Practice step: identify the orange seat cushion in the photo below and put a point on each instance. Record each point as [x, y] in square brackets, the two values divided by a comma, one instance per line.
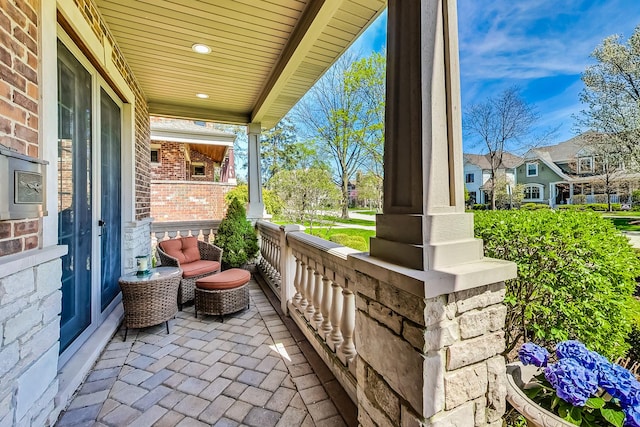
[198, 268]
[228, 279]
[173, 248]
[184, 249]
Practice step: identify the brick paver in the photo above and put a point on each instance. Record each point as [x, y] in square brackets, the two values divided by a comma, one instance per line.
[205, 373]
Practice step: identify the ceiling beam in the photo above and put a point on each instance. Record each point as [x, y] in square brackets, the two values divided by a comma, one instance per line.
[313, 21]
[191, 112]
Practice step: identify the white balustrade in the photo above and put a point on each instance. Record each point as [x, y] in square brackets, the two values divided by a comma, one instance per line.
[321, 299]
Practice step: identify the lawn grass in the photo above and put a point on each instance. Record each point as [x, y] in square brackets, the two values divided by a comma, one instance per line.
[350, 221]
[634, 214]
[623, 224]
[362, 212]
[326, 233]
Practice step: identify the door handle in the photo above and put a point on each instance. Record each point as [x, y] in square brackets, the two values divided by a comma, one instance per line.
[102, 224]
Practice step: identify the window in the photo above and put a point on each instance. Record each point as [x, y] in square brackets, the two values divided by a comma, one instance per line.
[470, 178]
[197, 169]
[532, 169]
[533, 192]
[155, 153]
[585, 164]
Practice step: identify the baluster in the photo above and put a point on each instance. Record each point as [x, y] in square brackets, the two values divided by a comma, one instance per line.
[317, 301]
[309, 312]
[270, 257]
[347, 350]
[296, 283]
[303, 286]
[277, 262]
[327, 296]
[335, 338]
[272, 260]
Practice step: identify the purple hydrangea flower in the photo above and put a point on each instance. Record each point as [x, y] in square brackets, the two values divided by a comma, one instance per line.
[632, 416]
[572, 381]
[619, 383]
[531, 354]
[570, 349]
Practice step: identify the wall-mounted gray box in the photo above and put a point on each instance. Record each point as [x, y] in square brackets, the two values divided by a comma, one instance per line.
[23, 194]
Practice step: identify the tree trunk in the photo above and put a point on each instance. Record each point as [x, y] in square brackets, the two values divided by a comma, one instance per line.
[345, 196]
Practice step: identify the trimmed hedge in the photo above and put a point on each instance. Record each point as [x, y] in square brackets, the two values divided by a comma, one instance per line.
[597, 207]
[576, 277]
[534, 206]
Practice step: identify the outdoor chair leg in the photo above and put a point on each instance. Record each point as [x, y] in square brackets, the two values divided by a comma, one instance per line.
[167, 323]
[126, 330]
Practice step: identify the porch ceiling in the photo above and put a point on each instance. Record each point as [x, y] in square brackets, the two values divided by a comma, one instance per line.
[264, 54]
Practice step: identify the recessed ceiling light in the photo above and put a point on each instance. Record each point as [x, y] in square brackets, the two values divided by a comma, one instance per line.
[201, 48]
[202, 95]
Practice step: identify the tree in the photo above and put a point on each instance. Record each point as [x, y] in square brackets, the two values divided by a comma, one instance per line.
[236, 236]
[612, 93]
[369, 188]
[281, 151]
[507, 194]
[500, 125]
[305, 192]
[339, 117]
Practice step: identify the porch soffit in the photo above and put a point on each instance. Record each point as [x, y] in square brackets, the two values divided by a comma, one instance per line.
[265, 54]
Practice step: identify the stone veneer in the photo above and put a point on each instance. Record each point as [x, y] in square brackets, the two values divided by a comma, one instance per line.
[30, 303]
[136, 242]
[429, 361]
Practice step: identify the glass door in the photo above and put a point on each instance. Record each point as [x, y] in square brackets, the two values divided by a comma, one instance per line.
[110, 196]
[74, 194]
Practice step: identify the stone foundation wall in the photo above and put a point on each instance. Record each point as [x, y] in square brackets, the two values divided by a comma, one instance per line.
[430, 362]
[30, 305]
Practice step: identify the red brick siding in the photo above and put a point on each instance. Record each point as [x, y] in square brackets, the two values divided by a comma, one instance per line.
[172, 163]
[19, 105]
[209, 167]
[186, 201]
[174, 166]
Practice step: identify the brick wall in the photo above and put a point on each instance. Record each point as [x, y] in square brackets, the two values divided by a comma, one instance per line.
[19, 105]
[188, 201]
[173, 165]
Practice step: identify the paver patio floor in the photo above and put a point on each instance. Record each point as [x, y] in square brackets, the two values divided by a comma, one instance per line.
[248, 370]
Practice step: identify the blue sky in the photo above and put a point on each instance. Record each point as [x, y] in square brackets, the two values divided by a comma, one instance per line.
[541, 46]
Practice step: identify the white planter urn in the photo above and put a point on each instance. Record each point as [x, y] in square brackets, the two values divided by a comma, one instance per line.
[518, 376]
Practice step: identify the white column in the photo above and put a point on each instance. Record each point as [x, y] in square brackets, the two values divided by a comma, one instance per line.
[256, 204]
[423, 165]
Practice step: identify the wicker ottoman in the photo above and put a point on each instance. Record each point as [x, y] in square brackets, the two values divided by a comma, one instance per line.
[223, 293]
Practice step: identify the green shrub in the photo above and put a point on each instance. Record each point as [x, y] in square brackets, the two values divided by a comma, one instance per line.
[534, 206]
[603, 207]
[355, 242]
[571, 207]
[479, 207]
[576, 275]
[635, 197]
[236, 236]
[272, 203]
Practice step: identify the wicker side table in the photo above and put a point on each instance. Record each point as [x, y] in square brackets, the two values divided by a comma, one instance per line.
[150, 300]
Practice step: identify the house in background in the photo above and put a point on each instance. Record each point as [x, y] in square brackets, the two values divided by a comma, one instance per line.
[192, 168]
[569, 173]
[477, 175]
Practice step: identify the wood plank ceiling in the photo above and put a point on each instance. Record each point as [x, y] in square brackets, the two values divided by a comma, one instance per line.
[265, 55]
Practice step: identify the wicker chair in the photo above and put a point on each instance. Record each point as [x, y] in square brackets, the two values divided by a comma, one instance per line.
[195, 263]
